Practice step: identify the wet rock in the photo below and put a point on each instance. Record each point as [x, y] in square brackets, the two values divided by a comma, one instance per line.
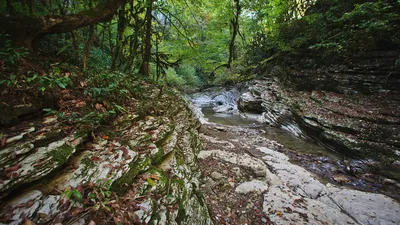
[252, 186]
[249, 102]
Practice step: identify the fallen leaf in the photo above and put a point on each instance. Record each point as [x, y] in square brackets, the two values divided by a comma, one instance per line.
[76, 141]
[13, 168]
[125, 152]
[3, 141]
[155, 177]
[279, 213]
[28, 222]
[95, 158]
[40, 162]
[80, 104]
[76, 212]
[110, 148]
[83, 83]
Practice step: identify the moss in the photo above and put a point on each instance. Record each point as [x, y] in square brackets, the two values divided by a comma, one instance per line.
[88, 164]
[123, 184]
[81, 133]
[167, 136]
[61, 154]
[158, 157]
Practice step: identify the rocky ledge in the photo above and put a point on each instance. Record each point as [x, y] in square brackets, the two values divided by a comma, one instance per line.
[250, 180]
[52, 173]
[351, 109]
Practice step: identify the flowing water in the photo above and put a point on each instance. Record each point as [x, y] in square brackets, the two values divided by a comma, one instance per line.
[290, 141]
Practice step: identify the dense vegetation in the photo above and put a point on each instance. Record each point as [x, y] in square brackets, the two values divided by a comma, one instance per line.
[101, 48]
[189, 42]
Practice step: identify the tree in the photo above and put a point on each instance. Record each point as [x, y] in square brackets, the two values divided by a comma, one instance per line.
[27, 31]
[147, 48]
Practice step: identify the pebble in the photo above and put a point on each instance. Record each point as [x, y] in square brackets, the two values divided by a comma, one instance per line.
[220, 128]
[216, 176]
[236, 171]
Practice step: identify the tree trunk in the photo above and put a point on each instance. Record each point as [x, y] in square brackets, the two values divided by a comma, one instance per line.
[235, 27]
[121, 29]
[147, 49]
[86, 51]
[26, 29]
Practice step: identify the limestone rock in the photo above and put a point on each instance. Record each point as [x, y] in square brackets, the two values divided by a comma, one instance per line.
[252, 186]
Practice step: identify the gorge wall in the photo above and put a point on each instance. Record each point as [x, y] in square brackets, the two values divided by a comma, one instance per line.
[351, 107]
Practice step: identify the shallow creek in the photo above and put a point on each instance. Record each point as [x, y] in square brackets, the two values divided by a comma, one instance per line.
[329, 166]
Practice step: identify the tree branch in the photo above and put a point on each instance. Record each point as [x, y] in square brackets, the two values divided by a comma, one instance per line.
[25, 29]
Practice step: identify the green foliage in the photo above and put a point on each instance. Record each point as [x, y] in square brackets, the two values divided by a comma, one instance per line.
[188, 73]
[41, 82]
[108, 85]
[8, 54]
[73, 195]
[93, 196]
[99, 59]
[332, 29]
[173, 79]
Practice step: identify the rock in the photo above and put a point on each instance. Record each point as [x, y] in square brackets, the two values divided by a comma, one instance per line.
[220, 128]
[340, 178]
[81, 221]
[169, 139]
[248, 102]
[389, 181]
[236, 171]
[31, 200]
[20, 136]
[260, 172]
[216, 176]
[251, 186]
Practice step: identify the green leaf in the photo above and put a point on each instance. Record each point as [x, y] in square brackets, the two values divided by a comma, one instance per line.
[77, 195]
[150, 182]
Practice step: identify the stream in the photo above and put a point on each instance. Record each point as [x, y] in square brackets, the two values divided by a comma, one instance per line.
[329, 166]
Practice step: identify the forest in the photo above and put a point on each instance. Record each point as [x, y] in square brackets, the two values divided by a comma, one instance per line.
[100, 68]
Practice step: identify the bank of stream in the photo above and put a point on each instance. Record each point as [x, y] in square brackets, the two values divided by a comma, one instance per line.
[328, 165]
[255, 173]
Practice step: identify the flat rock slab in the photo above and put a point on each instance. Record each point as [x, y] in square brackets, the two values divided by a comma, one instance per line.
[252, 186]
[290, 194]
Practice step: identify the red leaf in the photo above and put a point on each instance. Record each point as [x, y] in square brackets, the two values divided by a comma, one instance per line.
[125, 152]
[40, 162]
[95, 158]
[3, 141]
[13, 168]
